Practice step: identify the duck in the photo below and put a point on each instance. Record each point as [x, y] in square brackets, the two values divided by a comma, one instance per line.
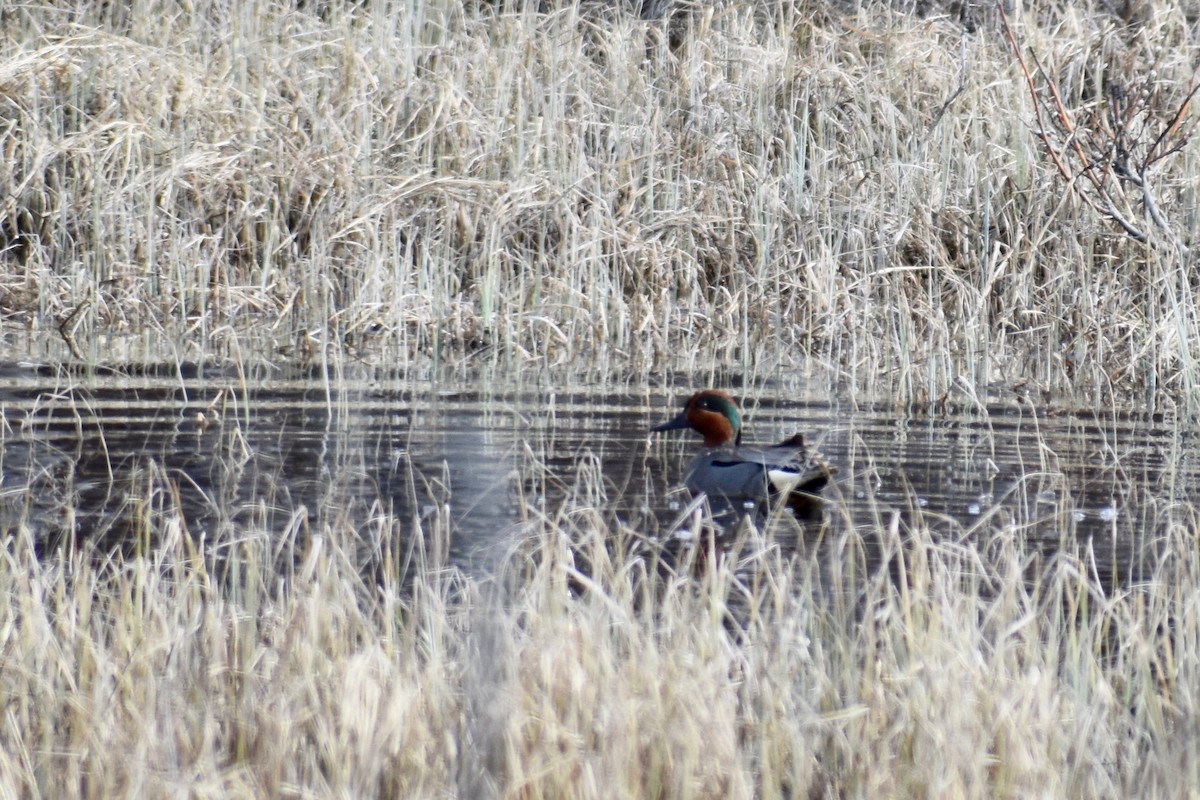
[725, 470]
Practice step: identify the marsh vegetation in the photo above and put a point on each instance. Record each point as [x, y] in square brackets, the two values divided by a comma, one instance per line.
[756, 183]
[933, 206]
[585, 669]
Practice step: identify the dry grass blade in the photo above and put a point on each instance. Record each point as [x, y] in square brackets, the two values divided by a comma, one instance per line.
[771, 186]
[583, 670]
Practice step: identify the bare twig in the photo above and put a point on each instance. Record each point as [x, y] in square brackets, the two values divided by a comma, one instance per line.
[67, 327]
[962, 79]
[1120, 151]
[1172, 128]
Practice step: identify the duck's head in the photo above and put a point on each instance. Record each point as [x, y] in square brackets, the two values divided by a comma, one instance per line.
[711, 413]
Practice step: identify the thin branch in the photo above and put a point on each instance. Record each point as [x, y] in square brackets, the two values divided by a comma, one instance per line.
[1037, 106]
[1171, 128]
[962, 79]
[67, 327]
[1106, 205]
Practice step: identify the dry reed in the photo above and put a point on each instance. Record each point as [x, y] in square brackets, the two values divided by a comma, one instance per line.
[868, 189]
[757, 186]
[585, 669]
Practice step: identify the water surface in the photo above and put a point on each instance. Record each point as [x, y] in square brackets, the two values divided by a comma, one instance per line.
[94, 457]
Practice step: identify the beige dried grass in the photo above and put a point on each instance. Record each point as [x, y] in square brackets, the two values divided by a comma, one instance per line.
[863, 190]
[586, 669]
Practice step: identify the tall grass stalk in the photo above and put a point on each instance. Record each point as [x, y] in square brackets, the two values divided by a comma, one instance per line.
[587, 667]
[428, 180]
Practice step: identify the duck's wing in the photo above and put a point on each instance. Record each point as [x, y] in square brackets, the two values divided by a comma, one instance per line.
[727, 475]
[795, 441]
[788, 468]
[758, 472]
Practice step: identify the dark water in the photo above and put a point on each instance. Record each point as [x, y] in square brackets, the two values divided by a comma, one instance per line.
[95, 457]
